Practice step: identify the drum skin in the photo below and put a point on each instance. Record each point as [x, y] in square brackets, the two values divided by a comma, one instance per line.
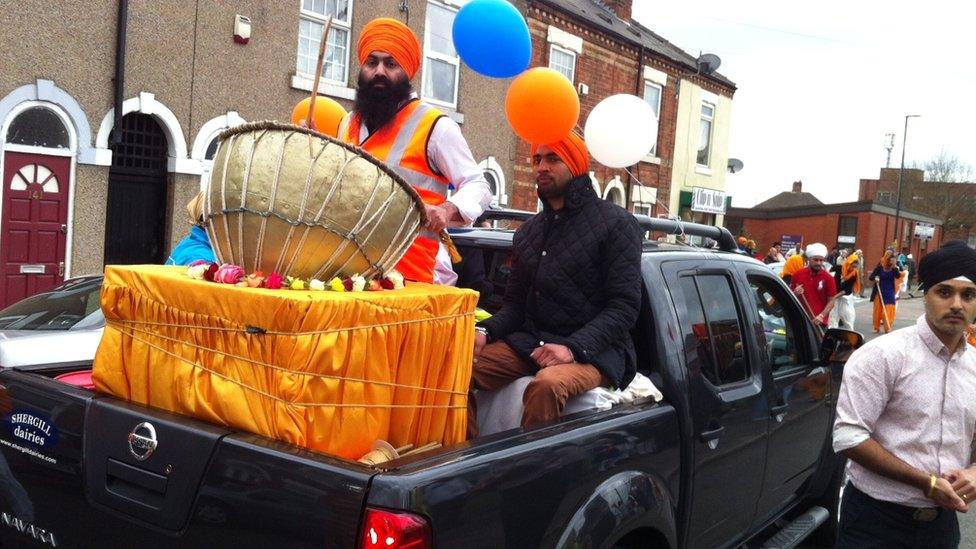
[289, 200]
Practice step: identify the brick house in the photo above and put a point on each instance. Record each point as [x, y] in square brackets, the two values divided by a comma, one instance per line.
[868, 225]
[954, 203]
[603, 51]
[184, 79]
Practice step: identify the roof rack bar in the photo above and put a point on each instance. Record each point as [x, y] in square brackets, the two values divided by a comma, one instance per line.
[726, 242]
[505, 213]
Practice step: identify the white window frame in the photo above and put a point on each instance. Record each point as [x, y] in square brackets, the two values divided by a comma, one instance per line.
[569, 52]
[437, 56]
[645, 208]
[302, 78]
[660, 96]
[711, 131]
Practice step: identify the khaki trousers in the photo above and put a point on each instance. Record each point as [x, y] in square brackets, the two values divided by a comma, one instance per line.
[545, 396]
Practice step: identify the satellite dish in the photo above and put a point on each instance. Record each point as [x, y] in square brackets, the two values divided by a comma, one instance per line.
[735, 165]
[708, 63]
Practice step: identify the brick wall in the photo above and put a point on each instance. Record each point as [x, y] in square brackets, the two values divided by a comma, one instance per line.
[607, 67]
[875, 232]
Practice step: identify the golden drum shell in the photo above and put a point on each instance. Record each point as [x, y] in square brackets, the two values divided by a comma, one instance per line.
[290, 200]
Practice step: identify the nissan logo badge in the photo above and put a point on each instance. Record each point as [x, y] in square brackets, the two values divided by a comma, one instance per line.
[142, 441]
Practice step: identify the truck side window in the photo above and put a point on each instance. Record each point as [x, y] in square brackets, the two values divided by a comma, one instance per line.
[777, 315]
[712, 329]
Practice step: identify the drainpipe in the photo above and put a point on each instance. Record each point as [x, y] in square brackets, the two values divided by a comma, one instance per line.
[628, 200]
[119, 80]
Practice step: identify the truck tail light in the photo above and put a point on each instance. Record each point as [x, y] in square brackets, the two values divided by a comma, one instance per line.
[389, 530]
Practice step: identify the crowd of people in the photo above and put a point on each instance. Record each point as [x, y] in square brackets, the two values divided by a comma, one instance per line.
[894, 276]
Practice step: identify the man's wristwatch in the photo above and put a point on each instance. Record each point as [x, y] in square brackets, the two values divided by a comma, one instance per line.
[482, 330]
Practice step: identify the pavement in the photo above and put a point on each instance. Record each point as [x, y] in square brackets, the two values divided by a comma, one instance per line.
[909, 309]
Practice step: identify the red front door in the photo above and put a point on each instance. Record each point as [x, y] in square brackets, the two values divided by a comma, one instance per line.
[33, 224]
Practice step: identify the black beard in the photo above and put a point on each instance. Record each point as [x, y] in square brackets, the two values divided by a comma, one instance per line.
[379, 106]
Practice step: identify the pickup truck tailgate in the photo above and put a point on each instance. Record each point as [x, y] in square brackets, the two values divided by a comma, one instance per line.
[79, 469]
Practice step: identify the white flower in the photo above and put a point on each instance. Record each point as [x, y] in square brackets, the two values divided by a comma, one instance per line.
[358, 283]
[396, 278]
[196, 272]
[316, 284]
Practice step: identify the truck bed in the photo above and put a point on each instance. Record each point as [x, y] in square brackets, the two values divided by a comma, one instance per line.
[69, 474]
[83, 484]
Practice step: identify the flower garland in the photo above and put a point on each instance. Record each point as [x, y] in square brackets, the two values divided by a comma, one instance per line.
[233, 274]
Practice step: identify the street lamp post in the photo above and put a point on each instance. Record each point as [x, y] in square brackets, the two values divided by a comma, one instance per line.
[901, 176]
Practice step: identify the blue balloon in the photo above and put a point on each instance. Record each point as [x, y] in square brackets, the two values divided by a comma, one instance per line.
[492, 38]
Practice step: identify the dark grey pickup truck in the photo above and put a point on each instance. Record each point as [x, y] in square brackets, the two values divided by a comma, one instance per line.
[737, 453]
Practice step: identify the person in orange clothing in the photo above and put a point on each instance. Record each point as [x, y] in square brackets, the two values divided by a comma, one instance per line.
[792, 265]
[415, 140]
[971, 334]
[887, 279]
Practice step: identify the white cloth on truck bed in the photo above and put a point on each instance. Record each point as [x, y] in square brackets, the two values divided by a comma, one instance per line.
[502, 409]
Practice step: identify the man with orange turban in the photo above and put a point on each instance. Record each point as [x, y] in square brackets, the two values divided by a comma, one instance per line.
[572, 297]
[415, 140]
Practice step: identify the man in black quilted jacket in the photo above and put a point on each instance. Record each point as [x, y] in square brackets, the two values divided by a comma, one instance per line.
[572, 297]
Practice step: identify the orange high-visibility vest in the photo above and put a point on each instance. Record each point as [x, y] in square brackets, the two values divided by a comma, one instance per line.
[401, 144]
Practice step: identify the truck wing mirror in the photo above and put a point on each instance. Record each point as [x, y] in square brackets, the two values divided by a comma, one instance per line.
[838, 344]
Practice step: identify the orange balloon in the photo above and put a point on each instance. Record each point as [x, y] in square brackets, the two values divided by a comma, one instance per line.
[326, 118]
[542, 106]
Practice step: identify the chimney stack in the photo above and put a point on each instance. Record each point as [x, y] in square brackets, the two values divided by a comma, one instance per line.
[798, 186]
[622, 8]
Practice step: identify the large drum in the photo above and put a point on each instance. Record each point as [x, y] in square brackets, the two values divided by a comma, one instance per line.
[289, 200]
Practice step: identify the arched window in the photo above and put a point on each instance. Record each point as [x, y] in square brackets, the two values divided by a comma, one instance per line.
[492, 182]
[614, 195]
[206, 165]
[496, 180]
[211, 149]
[38, 127]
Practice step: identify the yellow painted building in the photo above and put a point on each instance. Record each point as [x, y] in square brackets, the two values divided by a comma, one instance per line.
[701, 154]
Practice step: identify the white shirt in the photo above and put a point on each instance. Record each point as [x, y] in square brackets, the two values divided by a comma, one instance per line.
[907, 393]
[448, 152]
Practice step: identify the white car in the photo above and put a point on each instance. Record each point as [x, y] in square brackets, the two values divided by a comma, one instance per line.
[61, 326]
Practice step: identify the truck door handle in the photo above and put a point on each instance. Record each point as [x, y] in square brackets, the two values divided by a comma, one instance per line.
[779, 412]
[710, 438]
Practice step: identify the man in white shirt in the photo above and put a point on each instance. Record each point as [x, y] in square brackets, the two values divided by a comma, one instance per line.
[906, 417]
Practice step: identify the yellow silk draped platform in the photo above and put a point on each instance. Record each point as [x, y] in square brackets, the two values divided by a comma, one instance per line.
[330, 371]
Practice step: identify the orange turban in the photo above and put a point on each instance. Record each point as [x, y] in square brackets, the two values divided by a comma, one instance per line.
[573, 152]
[792, 265]
[392, 37]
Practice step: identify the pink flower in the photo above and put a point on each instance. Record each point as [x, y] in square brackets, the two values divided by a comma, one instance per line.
[273, 281]
[198, 262]
[229, 274]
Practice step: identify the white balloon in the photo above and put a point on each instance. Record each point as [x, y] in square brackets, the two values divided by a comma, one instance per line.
[621, 130]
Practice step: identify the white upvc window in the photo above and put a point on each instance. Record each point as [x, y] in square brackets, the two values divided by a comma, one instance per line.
[335, 66]
[705, 133]
[563, 60]
[441, 62]
[652, 94]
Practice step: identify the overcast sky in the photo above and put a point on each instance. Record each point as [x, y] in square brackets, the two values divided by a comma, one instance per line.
[821, 83]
